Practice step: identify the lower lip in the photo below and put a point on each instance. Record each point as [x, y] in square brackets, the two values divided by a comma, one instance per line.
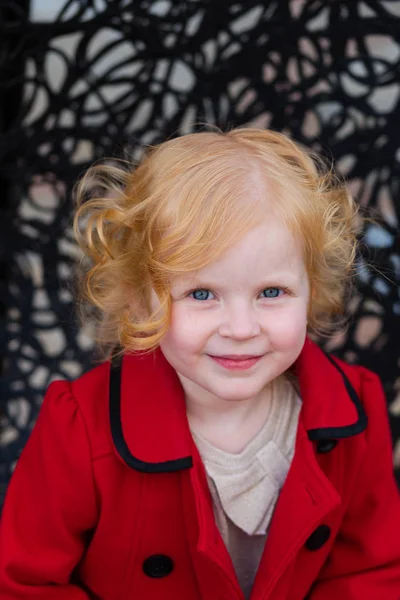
[236, 365]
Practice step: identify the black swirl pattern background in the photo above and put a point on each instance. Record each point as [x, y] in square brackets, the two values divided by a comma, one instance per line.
[100, 76]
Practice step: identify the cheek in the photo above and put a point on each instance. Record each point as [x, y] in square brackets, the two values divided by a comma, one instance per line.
[289, 328]
[186, 331]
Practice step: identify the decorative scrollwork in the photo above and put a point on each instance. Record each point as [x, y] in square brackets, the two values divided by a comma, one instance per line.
[102, 75]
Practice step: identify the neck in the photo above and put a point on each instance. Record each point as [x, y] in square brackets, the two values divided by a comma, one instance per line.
[227, 424]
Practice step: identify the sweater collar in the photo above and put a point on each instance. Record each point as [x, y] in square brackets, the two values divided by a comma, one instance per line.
[148, 418]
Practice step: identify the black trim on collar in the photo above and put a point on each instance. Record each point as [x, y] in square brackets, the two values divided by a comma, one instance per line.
[187, 461]
[349, 430]
[118, 436]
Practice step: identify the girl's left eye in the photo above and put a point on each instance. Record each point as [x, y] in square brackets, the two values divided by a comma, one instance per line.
[272, 292]
[200, 294]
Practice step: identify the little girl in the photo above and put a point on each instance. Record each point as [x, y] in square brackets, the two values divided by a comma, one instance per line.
[216, 453]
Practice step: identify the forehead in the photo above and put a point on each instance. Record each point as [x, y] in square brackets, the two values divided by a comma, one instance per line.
[270, 249]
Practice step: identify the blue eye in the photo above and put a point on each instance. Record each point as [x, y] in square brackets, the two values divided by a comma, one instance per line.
[200, 294]
[271, 292]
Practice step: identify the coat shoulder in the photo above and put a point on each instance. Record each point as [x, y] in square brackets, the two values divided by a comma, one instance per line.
[91, 392]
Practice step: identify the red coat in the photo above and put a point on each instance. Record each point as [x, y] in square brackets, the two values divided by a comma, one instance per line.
[109, 499]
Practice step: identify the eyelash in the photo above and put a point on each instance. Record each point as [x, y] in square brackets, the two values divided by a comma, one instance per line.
[280, 288]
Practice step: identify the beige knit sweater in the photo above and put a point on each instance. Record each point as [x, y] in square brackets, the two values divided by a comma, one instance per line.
[245, 486]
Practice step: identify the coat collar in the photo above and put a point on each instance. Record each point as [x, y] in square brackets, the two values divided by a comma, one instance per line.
[148, 418]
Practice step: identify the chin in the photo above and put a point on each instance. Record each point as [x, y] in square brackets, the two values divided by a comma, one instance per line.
[237, 395]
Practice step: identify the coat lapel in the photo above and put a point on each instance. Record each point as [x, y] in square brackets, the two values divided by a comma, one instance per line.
[331, 406]
[213, 565]
[305, 499]
[331, 410]
[147, 414]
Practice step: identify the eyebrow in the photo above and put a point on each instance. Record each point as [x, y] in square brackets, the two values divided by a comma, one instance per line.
[284, 278]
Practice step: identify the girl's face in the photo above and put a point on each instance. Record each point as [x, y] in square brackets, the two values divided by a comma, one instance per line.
[252, 301]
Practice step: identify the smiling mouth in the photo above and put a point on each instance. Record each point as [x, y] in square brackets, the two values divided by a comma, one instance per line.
[237, 356]
[238, 364]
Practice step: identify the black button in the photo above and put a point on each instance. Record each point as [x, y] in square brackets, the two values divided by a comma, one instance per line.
[317, 539]
[324, 446]
[158, 565]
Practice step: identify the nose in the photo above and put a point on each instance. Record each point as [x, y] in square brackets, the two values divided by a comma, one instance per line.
[240, 323]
